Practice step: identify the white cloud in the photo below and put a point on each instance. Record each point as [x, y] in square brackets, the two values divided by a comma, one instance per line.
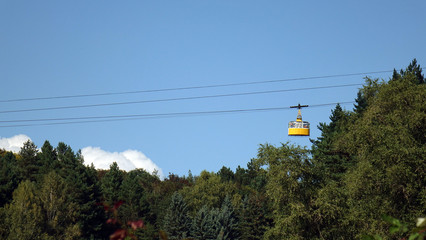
[127, 160]
[14, 143]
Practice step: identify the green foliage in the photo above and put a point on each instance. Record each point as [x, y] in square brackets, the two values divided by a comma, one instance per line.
[226, 174]
[60, 217]
[367, 163]
[255, 216]
[29, 164]
[330, 163]
[290, 189]
[134, 190]
[214, 223]
[48, 158]
[208, 190]
[111, 184]
[177, 222]
[24, 214]
[397, 227]
[413, 69]
[367, 94]
[203, 225]
[9, 176]
[227, 221]
[388, 142]
[83, 191]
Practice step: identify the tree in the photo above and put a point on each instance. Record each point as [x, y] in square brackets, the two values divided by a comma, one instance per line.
[59, 214]
[134, 192]
[29, 163]
[388, 143]
[177, 222]
[84, 191]
[227, 221]
[255, 216]
[203, 226]
[9, 177]
[226, 174]
[330, 163]
[48, 158]
[208, 190]
[412, 69]
[24, 214]
[111, 184]
[290, 189]
[366, 94]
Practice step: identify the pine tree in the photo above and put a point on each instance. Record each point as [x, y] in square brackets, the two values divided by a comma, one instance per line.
[366, 95]
[203, 225]
[413, 69]
[29, 163]
[177, 222]
[227, 221]
[84, 191]
[48, 158]
[133, 192]
[254, 218]
[9, 177]
[330, 163]
[111, 184]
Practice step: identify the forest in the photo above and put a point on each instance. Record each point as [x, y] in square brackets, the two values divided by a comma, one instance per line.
[364, 173]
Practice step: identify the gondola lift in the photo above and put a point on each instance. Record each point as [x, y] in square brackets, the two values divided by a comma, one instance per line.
[298, 127]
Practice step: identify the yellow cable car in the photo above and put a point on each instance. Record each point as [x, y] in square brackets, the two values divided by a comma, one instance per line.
[298, 127]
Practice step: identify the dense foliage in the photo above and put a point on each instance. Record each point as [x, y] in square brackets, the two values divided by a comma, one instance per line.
[367, 163]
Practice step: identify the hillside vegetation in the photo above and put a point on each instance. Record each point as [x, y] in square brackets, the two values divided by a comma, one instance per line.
[367, 163]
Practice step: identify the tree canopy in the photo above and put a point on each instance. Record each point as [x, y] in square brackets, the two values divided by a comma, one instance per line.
[367, 163]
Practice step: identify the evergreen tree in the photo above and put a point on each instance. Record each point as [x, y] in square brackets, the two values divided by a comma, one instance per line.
[366, 94]
[177, 222]
[111, 184]
[413, 69]
[29, 163]
[227, 221]
[134, 192]
[330, 163]
[9, 176]
[48, 158]
[254, 216]
[84, 191]
[226, 174]
[203, 226]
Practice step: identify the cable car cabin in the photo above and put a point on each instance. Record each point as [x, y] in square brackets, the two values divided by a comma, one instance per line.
[298, 127]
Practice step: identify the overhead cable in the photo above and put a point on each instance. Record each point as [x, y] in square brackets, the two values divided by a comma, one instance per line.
[175, 99]
[191, 87]
[93, 119]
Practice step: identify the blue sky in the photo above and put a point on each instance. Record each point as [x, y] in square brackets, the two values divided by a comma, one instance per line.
[58, 48]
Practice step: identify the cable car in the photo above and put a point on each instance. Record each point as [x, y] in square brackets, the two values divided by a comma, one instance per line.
[298, 127]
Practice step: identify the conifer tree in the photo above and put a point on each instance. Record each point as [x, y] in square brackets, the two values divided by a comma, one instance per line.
[177, 222]
[203, 226]
[9, 177]
[84, 191]
[111, 184]
[330, 163]
[48, 158]
[227, 221]
[29, 163]
[253, 216]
